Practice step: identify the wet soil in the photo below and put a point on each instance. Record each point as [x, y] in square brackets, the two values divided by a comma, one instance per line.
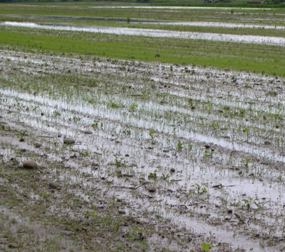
[268, 40]
[160, 158]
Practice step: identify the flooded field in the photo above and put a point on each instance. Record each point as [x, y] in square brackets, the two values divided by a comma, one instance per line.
[219, 24]
[111, 142]
[155, 33]
[191, 155]
[152, 22]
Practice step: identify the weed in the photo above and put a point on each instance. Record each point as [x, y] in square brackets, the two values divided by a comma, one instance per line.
[205, 246]
[113, 105]
[151, 134]
[247, 161]
[119, 162]
[133, 107]
[55, 113]
[165, 176]
[152, 175]
[95, 124]
[84, 153]
[208, 154]
[179, 146]
[199, 189]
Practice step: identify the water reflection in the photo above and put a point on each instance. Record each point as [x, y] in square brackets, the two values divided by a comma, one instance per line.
[222, 24]
[155, 33]
[151, 22]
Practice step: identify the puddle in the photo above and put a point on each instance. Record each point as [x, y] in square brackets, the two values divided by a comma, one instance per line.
[103, 111]
[155, 33]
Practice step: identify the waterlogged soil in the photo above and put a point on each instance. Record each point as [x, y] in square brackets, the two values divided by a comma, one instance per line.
[165, 157]
[134, 21]
[228, 24]
[267, 40]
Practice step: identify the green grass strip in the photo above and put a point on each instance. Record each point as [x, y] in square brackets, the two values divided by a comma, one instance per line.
[237, 56]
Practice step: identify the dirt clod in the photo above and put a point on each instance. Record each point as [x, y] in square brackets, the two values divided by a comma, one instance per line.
[87, 132]
[68, 140]
[37, 145]
[54, 185]
[151, 189]
[30, 164]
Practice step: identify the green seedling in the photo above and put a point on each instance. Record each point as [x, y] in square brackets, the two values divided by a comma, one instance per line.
[205, 246]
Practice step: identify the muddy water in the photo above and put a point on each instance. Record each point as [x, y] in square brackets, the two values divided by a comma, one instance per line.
[155, 33]
[238, 173]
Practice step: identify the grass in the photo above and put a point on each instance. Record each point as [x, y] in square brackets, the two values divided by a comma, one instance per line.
[238, 56]
[156, 14]
[236, 3]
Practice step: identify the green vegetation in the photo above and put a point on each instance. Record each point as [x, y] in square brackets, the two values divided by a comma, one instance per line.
[161, 149]
[236, 3]
[205, 246]
[248, 57]
[89, 10]
[239, 56]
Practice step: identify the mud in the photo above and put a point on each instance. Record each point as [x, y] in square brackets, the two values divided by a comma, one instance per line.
[178, 155]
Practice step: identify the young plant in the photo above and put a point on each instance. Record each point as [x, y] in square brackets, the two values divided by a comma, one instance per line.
[179, 146]
[152, 175]
[205, 246]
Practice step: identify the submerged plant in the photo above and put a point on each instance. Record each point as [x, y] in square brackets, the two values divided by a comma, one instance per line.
[199, 189]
